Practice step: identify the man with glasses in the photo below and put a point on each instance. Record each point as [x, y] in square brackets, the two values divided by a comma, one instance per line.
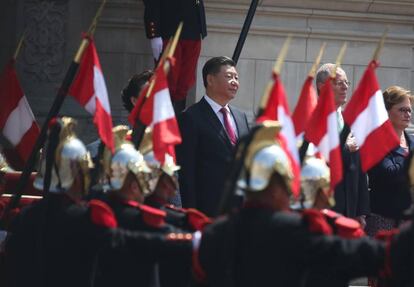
[351, 195]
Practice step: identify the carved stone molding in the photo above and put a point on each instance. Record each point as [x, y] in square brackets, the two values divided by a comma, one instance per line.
[273, 20]
[45, 24]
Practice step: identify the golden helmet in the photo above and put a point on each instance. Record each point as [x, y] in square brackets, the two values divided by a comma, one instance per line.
[315, 177]
[263, 158]
[4, 166]
[69, 158]
[125, 159]
[169, 167]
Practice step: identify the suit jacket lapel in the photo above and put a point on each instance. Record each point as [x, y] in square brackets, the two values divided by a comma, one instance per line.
[240, 121]
[213, 120]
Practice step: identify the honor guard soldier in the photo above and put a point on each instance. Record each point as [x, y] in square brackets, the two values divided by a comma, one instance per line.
[164, 183]
[265, 244]
[129, 179]
[57, 241]
[317, 195]
[162, 18]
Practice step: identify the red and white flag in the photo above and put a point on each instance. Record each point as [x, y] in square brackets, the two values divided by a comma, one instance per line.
[157, 111]
[306, 105]
[17, 122]
[322, 131]
[368, 119]
[89, 89]
[277, 109]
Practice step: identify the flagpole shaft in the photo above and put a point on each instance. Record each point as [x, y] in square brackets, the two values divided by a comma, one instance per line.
[245, 30]
[303, 150]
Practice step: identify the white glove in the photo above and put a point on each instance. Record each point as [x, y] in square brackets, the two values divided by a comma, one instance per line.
[196, 240]
[156, 45]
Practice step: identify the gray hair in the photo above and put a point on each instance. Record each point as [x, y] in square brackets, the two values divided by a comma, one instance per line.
[323, 72]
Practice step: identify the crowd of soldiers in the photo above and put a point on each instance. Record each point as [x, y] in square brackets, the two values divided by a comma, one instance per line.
[117, 229]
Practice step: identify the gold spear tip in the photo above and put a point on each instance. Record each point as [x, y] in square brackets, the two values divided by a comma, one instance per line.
[98, 14]
[282, 55]
[378, 49]
[19, 46]
[318, 59]
[91, 31]
[339, 59]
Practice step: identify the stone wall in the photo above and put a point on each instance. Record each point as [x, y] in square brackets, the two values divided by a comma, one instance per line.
[54, 28]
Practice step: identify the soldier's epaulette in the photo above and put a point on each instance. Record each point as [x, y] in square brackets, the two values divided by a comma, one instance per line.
[348, 228]
[316, 222]
[330, 213]
[101, 214]
[197, 220]
[345, 227]
[152, 216]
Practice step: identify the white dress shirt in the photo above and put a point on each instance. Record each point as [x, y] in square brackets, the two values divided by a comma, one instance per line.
[216, 108]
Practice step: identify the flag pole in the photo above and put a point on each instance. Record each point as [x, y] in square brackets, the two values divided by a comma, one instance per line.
[139, 127]
[277, 68]
[245, 30]
[54, 110]
[19, 46]
[312, 72]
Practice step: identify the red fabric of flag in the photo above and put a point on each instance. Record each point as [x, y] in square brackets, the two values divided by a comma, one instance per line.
[322, 131]
[89, 89]
[277, 109]
[306, 105]
[17, 122]
[368, 119]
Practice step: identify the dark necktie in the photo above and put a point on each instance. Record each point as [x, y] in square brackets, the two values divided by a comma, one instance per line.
[227, 125]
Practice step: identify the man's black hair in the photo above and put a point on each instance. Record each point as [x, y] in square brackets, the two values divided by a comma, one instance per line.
[213, 66]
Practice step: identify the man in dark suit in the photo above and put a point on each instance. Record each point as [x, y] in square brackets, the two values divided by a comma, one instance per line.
[351, 194]
[209, 130]
[162, 18]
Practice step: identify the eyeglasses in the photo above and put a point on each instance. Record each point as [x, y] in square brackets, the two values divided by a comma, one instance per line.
[405, 110]
[342, 83]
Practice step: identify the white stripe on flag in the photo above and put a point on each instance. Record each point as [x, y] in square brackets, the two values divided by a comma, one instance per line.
[100, 89]
[370, 119]
[288, 131]
[163, 109]
[19, 122]
[331, 139]
[91, 105]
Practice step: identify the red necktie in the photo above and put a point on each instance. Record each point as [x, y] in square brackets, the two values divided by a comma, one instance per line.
[227, 125]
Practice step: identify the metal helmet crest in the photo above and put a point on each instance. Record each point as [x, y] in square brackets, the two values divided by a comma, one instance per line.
[64, 158]
[126, 159]
[264, 157]
[157, 169]
[315, 178]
